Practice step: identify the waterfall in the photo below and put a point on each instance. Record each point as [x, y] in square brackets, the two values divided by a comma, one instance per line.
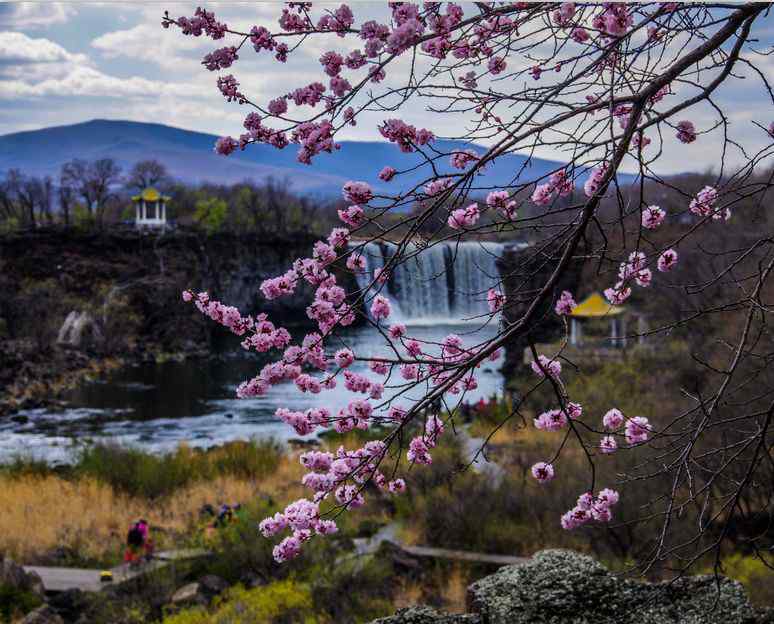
[446, 282]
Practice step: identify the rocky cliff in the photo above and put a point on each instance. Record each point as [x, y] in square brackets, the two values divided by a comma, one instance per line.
[56, 283]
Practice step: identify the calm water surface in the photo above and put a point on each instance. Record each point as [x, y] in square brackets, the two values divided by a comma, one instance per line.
[158, 406]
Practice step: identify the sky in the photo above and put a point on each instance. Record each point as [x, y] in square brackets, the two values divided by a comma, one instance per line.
[67, 62]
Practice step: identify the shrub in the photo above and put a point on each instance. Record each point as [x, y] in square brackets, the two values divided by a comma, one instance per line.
[15, 602]
[139, 473]
[754, 574]
[283, 602]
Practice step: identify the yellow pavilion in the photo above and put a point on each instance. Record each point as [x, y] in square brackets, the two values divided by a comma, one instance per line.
[150, 208]
[596, 307]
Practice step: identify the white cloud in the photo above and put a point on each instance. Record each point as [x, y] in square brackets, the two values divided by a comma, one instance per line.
[33, 15]
[16, 47]
[38, 67]
[87, 81]
[150, 42]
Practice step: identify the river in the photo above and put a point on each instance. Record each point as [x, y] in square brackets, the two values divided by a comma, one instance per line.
[159, 406]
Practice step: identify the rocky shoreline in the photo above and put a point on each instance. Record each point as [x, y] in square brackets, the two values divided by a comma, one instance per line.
[122, 290]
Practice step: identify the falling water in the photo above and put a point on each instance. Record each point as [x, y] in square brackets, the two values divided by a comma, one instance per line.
[446, 282]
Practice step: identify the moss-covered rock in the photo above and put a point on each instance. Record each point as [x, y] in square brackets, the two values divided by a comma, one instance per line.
[564, 587]
[426, 615]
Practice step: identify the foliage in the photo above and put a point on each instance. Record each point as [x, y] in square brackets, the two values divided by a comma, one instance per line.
[283, 602]
[754, 573]
[211, 214]
[139, 473]
[15, 602]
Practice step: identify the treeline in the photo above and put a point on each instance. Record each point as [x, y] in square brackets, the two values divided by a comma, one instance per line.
[97, 194]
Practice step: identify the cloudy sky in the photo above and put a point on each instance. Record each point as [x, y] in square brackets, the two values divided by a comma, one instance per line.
[63, 63]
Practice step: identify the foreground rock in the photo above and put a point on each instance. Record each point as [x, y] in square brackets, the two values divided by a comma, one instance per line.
[14, 576]
[564, 587]
[42, 615]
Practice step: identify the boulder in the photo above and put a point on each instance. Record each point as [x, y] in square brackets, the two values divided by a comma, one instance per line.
[211, 585]
[188, 595]
[79, 331]
[42, 615]
[69, 604]
[14, 575]
[561, 586]
[565, 587]
[426, 615]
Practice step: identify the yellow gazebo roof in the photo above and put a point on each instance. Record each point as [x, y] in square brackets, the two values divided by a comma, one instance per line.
[595, 306]
[150, 194]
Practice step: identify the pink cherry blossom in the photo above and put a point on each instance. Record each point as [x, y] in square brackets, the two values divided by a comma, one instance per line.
[667, 260]
[686, 132]
[543, 472]
[357, 192]
[495, 300]
[565, 304]
[380, 307]
[613, 419]
[387, 173]
[608, 444]
[652, 217]
[552, 367]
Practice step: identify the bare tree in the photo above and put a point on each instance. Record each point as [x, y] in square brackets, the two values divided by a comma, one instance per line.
[92, 182]
[146, 173]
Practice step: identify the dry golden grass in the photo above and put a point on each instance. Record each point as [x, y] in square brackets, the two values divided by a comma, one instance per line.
[411, 534]
[455, 590]
[40, 513]
[408, 594]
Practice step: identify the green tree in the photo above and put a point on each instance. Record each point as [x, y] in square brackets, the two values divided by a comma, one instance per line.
[211, 214]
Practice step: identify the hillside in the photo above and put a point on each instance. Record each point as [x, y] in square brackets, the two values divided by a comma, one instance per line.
[189, 157]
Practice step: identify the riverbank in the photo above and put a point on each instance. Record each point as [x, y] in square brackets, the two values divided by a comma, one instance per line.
[77, 304]
[77, 515]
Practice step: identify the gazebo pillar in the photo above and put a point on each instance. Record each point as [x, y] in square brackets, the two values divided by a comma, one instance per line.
[575, 332]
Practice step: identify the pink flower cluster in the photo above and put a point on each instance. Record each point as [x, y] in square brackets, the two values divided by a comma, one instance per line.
[652, 217]
[202, 22]
[667, 260]
[501, 201]
[405, 136]
[703, 204]
[464, 217]
[686, 132]
[543, 472]
[380, 308]
[460, 160]
[354, 216]
[594, 183]
[590, 507]
[545, 365]
[495, 300]
[357, 192]
[615, 20]
[636, 430]
[220, 58]
[565, 304]
[559, 183]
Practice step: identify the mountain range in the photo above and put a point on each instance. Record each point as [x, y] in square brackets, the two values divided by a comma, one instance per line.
[189, 157]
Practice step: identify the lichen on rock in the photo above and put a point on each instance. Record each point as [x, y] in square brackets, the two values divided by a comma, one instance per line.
[565, 587]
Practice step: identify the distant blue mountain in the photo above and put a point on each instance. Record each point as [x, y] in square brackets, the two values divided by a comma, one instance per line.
[189, 157]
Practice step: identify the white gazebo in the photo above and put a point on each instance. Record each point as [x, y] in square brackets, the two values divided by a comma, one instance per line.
[150, 209]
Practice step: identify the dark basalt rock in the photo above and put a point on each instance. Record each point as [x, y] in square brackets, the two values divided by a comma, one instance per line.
[565, 587]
